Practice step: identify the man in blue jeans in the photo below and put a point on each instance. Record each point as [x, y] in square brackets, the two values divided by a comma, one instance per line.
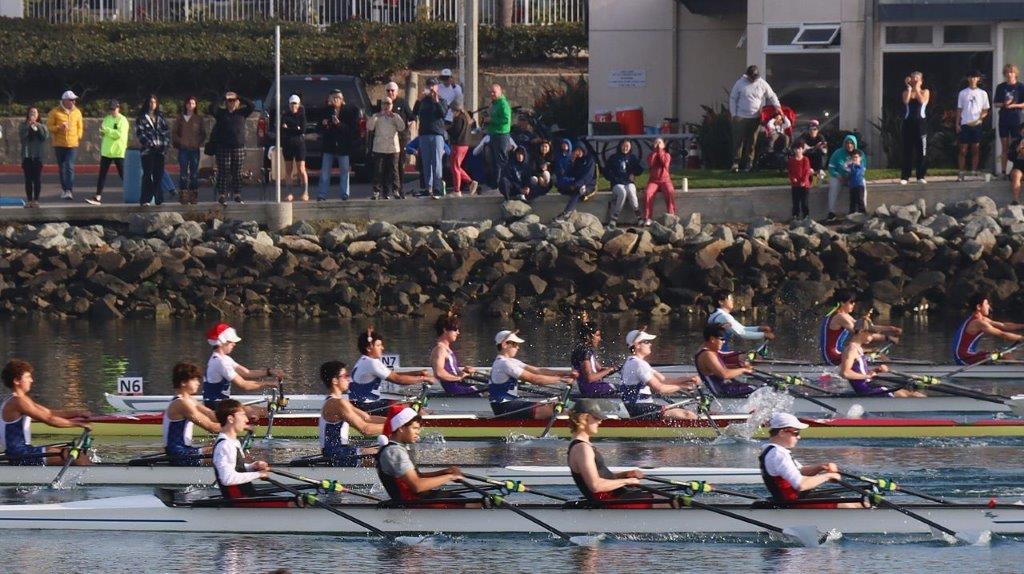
[338, 132]
[499, 128]
[429, 111]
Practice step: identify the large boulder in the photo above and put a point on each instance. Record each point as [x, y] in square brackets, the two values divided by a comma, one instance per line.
[515, 210]
[150, 223]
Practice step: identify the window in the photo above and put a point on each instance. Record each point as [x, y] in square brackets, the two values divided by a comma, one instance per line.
[967, 34]
[808, 82]
[908, 34]
[781, 36]
[816, 35]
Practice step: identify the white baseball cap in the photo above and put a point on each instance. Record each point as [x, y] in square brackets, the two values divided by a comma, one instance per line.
[69, 95]
[638, 336]
[510, 336]
[391, 86]
[294, 99]
[446, 73]
[222, 333]
[785, 421]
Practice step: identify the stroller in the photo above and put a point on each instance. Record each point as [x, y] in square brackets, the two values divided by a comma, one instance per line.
[774, 148]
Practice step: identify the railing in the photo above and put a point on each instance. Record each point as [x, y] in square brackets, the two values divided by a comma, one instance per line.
[316, 12]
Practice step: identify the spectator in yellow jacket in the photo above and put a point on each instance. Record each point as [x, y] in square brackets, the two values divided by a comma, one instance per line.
[66, 128]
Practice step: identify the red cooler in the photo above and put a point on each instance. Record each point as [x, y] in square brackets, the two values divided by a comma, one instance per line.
[631, 120]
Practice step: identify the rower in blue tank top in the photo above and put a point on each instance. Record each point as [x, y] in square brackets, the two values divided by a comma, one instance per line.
[719, 379]
[369, 372]
[17, 414]
[591, 376]
[444, 362]
[507, 371]
[338, 415]
[222, 371]
[854, 368]
[182, 414]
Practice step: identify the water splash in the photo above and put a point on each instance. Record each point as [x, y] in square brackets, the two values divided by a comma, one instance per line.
[761, 404]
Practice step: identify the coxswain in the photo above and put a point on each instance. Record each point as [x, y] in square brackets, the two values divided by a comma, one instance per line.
[182, 414]
[639, 379]
[222, 371]
[837, 326]
[338, 414]
[719, 379]
[853, 366]
[370, 371]
[17, 413]
[591, 376]
[235, 477]
[598, 484]
[965, 341]
[733, 328]
[789, 482]
[507, 371]
[444, 362]
[397, 470]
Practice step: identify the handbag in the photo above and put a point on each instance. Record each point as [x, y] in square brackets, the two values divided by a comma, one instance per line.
[210, 148]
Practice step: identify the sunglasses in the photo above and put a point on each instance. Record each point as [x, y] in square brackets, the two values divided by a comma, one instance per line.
[512, 343]
[794, 432]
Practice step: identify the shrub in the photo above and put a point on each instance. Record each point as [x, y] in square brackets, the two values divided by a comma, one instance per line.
[714, 135]
[568, 103]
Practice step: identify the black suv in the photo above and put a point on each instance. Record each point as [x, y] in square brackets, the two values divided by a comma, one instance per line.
[313, 89]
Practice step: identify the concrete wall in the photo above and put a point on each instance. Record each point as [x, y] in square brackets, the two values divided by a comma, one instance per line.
[12, 8]
[709, 61]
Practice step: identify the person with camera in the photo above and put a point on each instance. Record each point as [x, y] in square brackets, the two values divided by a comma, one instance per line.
[914, 127]
[338, 132]
[1009, 99]
[429, 112]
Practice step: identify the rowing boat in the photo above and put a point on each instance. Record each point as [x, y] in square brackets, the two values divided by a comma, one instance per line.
[290, 425]
[162, 511]
[476, 405]
[162, 474]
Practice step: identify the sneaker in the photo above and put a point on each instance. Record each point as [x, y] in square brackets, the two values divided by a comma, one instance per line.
[831, 216]
[94, 200]
[238, 200]
[222, 199]
[960, 177]
[922, 180]
[305, 197]
[647, 222]
[612, 224]
[474, 187]
[735, 168]
[903, 182]
[289, 197]
[374, 197]
[821, 174]
[68, 195]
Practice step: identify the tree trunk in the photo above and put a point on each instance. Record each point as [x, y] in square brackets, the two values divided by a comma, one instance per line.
[504, 13]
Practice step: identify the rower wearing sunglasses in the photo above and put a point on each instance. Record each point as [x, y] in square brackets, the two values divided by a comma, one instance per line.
[789, 482]
[507, 371]
[640, 381]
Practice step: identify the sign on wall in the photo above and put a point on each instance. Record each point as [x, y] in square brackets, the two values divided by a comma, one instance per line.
[627, 79]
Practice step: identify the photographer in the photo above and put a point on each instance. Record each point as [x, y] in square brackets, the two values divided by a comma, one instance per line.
[915, 127]
[429, 112]
[338, 130]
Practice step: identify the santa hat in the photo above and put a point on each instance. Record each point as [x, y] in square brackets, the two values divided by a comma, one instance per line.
[222, 333]
[398, 417]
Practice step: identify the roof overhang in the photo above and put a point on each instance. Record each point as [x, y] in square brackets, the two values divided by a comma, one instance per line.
[949, 10]
[715, 7]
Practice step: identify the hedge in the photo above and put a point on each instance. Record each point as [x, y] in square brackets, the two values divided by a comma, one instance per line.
[130, 60]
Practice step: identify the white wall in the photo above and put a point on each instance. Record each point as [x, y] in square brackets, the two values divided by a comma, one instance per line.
[12, 8]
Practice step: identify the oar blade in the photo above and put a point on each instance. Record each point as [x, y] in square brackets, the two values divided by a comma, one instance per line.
[591, 540]
[969, 537]
[809, 536]
[855, 411]
[409, 540]
[1016, 404]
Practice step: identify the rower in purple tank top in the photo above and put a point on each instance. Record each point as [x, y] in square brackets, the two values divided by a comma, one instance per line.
[853, 367]
[591, 376]
[445, 363]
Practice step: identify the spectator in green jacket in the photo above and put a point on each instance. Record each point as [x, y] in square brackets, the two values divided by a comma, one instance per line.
[499, 126]
[114, 130]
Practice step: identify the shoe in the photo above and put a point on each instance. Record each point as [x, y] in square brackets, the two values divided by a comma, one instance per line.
[94, 200]
[319, 199]
[193, 196]
[456, 194]
[831, 216]
[903, 182]
[68, 195]
[821, 174]
[289, 197]
[222, 199]
[647, 222]
[748, 169]
[612, 224]
[922, 180]
[735, 168]
[305, 197]
[474, 187]
[374, 197]
[637, 215]
[960, 177]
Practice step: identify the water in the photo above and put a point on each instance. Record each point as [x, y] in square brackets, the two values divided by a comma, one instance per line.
[76, 361]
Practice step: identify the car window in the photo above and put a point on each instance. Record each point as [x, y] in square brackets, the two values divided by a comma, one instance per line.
[314, 93]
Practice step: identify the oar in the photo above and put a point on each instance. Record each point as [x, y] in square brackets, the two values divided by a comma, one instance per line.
[695, 486]
[799, 381]
[761, 351]
[80, 444]
[785, 385]
[523, 410]
[513, 486]
[556, 410]
[499, 501]
[311, 499]
[664, 408]
[805, 535]
[936, 381]
[704, 410]
[1016, 403]
[893, 486]
[948, 534]
[995, 356]
[326, 485]
[278, 402]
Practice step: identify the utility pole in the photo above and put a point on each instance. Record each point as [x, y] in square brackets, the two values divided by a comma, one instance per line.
[470, 52]
[278, 156]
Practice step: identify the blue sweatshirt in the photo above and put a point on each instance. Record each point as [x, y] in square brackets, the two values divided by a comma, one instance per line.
[856, 172]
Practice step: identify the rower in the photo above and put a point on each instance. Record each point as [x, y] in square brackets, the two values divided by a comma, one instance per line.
[17, 414]
[599, 485]
[182, 413]
[788, 481]
[222, 371]
[853, 366]
[234, 476]
[965, 341]
[369, 372]
[639, 379]
[716, 376]
[397, 470]
[591, 375]
[338, 414]
[733, 328]
[838, 325]
[444, 362]
[507, 371]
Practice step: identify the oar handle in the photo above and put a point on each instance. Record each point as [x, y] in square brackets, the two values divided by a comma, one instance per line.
[882, 501]
[512, 486]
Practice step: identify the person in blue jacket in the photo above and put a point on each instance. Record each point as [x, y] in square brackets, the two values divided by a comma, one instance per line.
[515, 179]
[621, 170]
[838, 172]
[579, 181]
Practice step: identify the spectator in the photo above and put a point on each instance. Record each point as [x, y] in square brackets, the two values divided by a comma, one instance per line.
[839, 174]
[515, 181]
[400, 107]
[659, 163]
[429, 113]
[459, 133]
[522, 134]
[621, 170]
[293, 145]
[413, 149]
[815, 148]
[154, 136]
[1017, 164]
[114, 131]
[541, 169]
[563, 160]
[338, 131]
[749, 94]
[971, 110]
[386, 126]
[777, 130]
[1009, 99]
[580, 182]
[449, 93]
[33, 135]
[188, 136]
[66, 127]
[915, 127]
[499, 124]
[229, 135]
[800, 175]
[858, 195]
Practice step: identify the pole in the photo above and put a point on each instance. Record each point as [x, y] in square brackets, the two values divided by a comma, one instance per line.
[471, 78]
[460, 19]
[277, 112]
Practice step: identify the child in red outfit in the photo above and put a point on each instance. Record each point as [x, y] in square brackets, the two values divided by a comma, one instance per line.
[800, 174]
[660, 180]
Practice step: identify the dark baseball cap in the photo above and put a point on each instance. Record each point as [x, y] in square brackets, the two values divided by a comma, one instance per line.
[431, 82]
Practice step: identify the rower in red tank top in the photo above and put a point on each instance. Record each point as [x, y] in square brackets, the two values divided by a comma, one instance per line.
[967, 336]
